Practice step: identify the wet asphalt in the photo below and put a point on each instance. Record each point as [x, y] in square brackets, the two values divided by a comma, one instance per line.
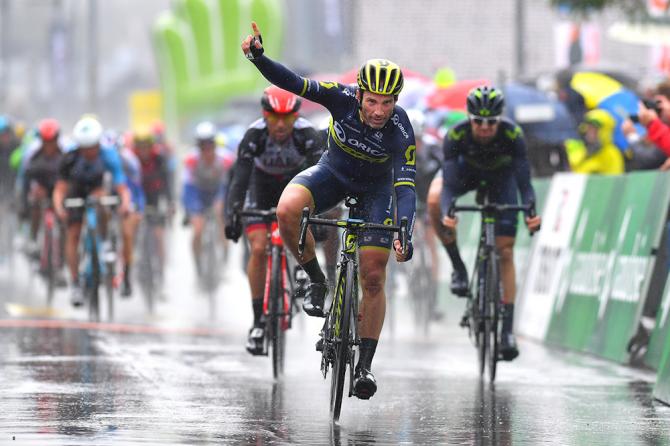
[182, 376]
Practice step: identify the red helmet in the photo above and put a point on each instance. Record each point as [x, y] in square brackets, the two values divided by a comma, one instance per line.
[48, 129]
[276, 100]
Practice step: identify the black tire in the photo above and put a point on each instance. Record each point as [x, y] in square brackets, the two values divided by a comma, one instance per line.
[341, 315]
[480, 320]
[276, 307]
[146, 268]
[51, 269]
[493, 300]
[94, 286]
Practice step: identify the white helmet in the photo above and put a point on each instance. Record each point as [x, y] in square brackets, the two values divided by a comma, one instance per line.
[205, 131]
[87, 132]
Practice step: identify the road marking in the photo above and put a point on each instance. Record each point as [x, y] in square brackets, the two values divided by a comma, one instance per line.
[108, 326]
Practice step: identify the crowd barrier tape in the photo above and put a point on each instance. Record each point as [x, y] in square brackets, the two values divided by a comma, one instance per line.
[590, 268]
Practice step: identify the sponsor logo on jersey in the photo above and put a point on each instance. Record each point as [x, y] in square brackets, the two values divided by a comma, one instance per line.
[396, 120]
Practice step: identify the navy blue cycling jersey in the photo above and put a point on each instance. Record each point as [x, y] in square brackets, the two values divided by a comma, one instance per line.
[502, 159]
[358, 155]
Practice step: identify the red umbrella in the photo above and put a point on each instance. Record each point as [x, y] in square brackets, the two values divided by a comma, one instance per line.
[454, 96]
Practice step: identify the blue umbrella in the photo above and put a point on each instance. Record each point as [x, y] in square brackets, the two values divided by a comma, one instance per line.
[622, 105]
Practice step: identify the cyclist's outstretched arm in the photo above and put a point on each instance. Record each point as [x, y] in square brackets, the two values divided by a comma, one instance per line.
[328, 94]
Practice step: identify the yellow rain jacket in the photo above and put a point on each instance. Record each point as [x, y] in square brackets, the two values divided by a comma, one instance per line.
[608, 160]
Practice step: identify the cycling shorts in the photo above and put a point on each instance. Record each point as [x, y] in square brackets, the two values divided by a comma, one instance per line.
[375, 200]
[264, 193]
[197, 201]
[502, 190]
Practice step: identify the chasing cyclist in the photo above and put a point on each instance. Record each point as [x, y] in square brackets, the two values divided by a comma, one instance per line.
[39, 178]
[485, 147]
[156, 184]
[273, 150]
[203, 184]
[81, 173]
[371, 153]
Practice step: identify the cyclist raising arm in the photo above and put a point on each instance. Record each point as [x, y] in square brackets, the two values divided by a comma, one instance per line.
[489, 148]
[371, 154]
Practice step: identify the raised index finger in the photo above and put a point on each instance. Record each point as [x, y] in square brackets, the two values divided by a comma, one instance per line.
[254, 26]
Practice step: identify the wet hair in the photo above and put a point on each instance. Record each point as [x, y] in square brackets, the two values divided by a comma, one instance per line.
[663, 89]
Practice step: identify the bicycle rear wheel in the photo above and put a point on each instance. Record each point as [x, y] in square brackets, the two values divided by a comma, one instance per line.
[493, 304]
[49, 263]
[341, 319]
[277, 333]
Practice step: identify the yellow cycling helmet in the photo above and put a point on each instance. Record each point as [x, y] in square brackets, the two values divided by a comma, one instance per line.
[380, 76]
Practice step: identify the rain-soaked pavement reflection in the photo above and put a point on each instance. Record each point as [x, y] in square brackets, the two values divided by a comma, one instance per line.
[179, 379]
[71, 386]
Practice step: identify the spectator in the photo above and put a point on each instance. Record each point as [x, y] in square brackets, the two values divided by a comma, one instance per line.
[595, 152]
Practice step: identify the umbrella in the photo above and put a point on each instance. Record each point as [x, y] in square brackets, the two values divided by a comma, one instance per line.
[621, 105]
[454, 96]
[594, 87]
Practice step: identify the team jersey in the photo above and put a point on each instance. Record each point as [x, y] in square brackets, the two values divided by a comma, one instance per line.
[89, 174]
[357, 154]
[42, 169]
[156, 175]
[260, 155]
[504, 156]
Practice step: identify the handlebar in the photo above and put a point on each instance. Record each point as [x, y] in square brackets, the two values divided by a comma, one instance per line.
[493, 207]
[351, 223]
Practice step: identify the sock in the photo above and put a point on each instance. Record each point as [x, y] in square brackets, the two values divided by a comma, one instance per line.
[126, 273]
[331, 272]
[314, 272]
[367, 352]
[508, 318]
[257, 305]
[455, 256]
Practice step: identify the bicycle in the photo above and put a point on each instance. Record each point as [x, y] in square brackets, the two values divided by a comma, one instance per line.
[482, 316]
[340, 331]
[150, 264]
[94, 258]
[211, 259]
[279, 290]
[51, 253]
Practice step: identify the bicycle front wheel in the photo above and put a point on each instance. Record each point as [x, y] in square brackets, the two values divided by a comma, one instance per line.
[481, 319]
[276, 308]
[493, 305]
[341, 319]
[94, 285]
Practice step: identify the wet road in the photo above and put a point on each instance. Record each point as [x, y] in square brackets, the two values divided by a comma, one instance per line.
[182, 377]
